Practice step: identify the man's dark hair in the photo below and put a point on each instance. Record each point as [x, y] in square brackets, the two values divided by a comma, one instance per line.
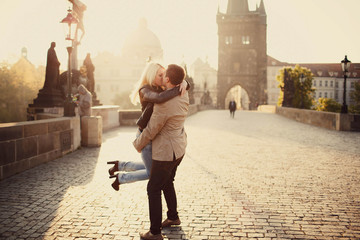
[175, 73]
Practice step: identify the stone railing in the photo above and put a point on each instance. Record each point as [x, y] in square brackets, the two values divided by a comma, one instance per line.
[128, 117]
[24, 145]
[109, 114]
[329, 120]
[267, 108]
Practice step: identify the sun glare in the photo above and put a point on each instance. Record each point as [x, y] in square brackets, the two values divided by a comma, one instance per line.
[187, 29]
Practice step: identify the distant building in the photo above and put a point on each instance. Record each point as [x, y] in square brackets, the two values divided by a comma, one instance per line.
[32, 76]
[273, 68]
[205, 79]
[115, 75]
[328, 80]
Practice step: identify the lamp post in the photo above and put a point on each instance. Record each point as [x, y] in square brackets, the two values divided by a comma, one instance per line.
[345, 65]
[70, 29]
[302, 80]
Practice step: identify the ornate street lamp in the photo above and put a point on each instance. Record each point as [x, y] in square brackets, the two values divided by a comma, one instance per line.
[345, 65]
[302, 80]
[70, 23]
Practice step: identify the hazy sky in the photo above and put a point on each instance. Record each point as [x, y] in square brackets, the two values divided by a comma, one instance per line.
[298, 31]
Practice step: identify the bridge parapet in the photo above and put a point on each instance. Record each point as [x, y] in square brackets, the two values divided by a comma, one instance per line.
[128, 117]
[24, 145]
[109, 114]
[329, 120]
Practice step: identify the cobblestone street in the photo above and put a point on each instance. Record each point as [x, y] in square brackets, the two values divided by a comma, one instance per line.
[257, 176]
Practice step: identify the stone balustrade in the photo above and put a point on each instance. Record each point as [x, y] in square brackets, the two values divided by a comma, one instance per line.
[329, 120]
[128, 117]
[24, 145]
[109, 114]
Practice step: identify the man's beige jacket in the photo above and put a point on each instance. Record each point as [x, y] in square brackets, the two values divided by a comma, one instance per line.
[166, 129]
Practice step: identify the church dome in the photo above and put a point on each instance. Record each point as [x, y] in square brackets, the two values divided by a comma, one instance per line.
[142, 44]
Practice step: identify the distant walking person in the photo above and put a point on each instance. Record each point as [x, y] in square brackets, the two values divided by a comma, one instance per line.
[232, 108]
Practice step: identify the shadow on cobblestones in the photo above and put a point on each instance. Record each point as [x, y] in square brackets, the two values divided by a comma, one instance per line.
[174, 233]
[32, 200]
[269, 127]
[257, 176]
[275, 178]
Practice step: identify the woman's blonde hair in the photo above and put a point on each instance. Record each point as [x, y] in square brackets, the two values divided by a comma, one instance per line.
[147, 78]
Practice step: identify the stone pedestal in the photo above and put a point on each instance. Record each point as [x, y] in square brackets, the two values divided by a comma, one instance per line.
[95, 101]
[39, 113]
[91, 131]
[48, 97]
[109, 114]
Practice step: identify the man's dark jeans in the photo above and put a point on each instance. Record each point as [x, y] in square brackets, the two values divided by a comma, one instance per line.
[162, 178]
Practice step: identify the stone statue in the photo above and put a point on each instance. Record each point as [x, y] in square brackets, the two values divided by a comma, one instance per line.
[85, 101]
[52, 69]
[206, 98]
[192, 86]
[50, 95]
[90, 68]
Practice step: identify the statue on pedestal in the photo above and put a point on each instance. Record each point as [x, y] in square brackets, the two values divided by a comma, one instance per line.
[206, 98]
[50, 95]
[90, 68]
[191, 90]
[52, 69]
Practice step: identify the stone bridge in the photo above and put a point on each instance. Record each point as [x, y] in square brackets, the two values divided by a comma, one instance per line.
[257, 176]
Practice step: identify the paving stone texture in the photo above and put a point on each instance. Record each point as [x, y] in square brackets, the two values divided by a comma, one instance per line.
[257, 176]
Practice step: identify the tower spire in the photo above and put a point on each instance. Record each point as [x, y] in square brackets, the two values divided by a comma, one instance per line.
[237, 7]
[261, 8]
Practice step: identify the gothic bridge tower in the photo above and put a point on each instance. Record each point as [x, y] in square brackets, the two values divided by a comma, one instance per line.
[242, 58]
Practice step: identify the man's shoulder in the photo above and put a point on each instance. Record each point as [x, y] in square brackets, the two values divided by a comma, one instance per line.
[172, 103]
[176, 100]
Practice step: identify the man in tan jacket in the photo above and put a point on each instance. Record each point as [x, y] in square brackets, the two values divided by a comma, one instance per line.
[166, 131]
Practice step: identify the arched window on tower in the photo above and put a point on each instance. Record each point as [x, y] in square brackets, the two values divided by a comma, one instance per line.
[228, 40]
[245, 40]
